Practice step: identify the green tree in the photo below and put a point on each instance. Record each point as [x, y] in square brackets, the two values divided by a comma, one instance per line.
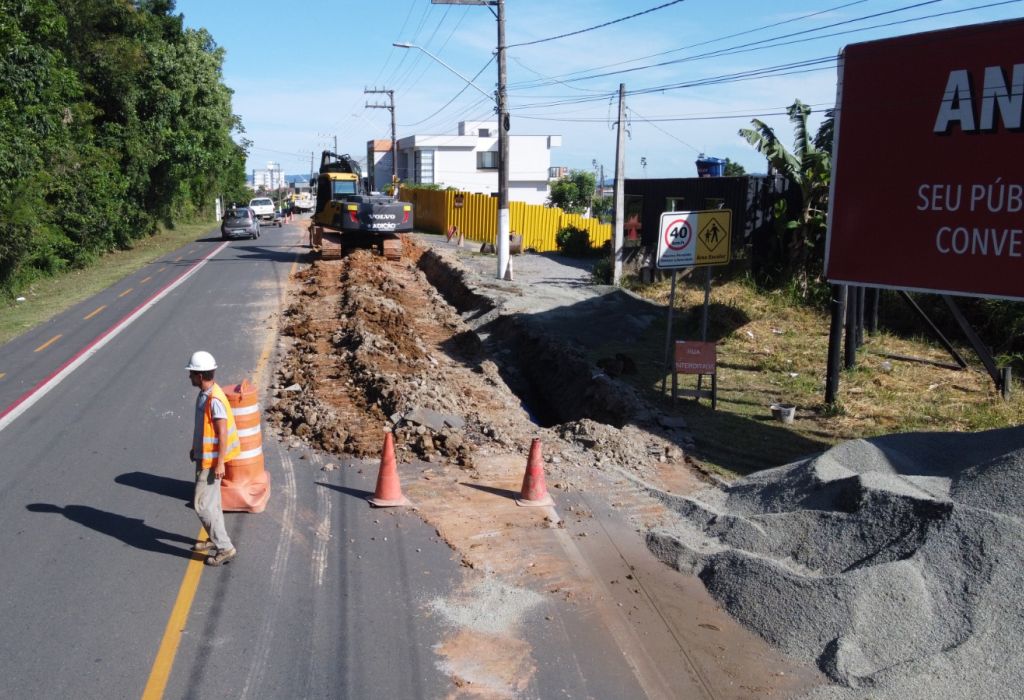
[573, 193]
[603, 208]
[112, 117]
[733, 169]
[808, 169]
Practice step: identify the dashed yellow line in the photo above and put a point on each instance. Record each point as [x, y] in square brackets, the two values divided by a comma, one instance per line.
[3, 374]
[125, 293]
[48, 343]
[146, 280]
[178, 259]
[86, 318]
[161, 270]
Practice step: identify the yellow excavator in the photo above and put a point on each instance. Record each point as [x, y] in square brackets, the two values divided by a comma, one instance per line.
[347, 216]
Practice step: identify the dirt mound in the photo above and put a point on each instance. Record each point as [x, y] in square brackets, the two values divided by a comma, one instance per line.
[883, 560]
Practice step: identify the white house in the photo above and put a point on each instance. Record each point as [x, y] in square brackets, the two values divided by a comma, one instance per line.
[468, 161]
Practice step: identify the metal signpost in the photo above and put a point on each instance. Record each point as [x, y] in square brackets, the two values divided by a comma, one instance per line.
[689, 239]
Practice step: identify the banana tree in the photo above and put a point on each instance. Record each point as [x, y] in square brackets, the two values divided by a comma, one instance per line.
[808, 168]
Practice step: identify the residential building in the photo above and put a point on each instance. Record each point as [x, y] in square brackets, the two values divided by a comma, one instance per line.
[378, 164]
[468, 161]
[271, 178]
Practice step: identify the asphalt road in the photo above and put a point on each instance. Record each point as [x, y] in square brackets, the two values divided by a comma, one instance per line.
[95, 526]
[100, 595]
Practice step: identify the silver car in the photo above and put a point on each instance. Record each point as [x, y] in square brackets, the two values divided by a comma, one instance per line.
[240, 222]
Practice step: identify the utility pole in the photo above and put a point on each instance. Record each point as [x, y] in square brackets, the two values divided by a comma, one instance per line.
[394, 141]
[618, 222]
[503, 124]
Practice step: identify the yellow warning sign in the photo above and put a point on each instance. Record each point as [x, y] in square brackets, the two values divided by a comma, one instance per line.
[713, 237]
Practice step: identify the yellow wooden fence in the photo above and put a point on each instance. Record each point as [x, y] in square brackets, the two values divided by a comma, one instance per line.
[434, 211]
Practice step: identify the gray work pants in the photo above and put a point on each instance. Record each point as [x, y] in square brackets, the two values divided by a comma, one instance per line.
[208, 508]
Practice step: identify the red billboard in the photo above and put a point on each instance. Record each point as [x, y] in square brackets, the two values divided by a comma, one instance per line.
[928, 170]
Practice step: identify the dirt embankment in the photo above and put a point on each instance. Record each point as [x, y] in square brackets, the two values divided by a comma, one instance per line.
[379, 347]
[465, 386]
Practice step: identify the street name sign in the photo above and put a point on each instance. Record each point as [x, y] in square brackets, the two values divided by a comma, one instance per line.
[694, 239]
[927, 188]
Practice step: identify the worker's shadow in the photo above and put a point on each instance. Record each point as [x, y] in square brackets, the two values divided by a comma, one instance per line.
[131, 531]
[160, 485]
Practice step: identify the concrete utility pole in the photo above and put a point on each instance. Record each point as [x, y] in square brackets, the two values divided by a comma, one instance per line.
[503, 125]
[394, 140]
[618, 222]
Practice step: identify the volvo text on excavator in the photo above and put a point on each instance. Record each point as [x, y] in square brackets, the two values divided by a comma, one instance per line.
[347, 215]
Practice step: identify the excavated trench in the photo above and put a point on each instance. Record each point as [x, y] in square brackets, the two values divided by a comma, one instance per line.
[554, 381]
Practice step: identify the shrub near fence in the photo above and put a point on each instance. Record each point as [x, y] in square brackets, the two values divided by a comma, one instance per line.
[435, 212]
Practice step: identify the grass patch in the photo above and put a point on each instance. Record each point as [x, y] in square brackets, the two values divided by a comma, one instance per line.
[48, 297]
[770, 350]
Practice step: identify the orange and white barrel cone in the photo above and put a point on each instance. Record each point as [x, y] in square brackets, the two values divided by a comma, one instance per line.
[389, 490]
[534, 492]
[246, 484]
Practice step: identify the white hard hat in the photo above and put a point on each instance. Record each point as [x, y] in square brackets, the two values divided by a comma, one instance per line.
[201, 361]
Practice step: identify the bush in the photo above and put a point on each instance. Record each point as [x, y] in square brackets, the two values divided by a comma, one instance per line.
[601, 273]
[573, 241]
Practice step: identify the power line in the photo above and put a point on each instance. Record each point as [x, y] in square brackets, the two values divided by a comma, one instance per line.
[456, 96]
[757, 45]
[598, 26]
[708, 41]
[642, 118]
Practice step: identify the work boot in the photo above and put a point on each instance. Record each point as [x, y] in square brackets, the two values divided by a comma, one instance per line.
[221, 557]
[205, 547]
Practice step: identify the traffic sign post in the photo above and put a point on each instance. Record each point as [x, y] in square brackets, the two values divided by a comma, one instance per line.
[688, 239]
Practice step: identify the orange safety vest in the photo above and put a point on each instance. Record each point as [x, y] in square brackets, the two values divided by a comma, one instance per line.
[211, 444]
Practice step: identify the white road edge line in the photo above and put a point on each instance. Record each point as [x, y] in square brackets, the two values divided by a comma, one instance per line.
[27, 401]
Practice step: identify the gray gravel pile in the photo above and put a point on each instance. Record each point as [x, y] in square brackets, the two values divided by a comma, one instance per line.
[896, 563]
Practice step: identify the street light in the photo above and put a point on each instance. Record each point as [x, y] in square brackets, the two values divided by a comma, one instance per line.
[503, 122]
[406, 45]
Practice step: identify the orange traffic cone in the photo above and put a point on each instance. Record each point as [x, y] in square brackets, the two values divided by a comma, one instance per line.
[389, 490]
[535, 492]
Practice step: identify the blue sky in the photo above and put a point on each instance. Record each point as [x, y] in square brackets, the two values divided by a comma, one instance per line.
[298, 70]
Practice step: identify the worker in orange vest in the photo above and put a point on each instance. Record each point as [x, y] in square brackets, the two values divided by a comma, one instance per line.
[214, 442]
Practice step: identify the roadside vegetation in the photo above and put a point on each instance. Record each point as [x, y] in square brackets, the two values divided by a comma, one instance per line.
[114, 124]
[773, 349]
[769, 317]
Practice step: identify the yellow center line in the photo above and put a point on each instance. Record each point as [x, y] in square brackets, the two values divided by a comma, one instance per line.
[146, 280]
[86, 318]
[3, 374]
[178, 259]
[160, 673]
[161, 270]
[48, 343]
[125, 293]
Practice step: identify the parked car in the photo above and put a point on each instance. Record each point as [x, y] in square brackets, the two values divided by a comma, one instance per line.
[240, 222]
[263, 207]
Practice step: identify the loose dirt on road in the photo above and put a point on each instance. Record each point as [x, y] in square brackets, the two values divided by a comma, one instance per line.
[408, 347]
